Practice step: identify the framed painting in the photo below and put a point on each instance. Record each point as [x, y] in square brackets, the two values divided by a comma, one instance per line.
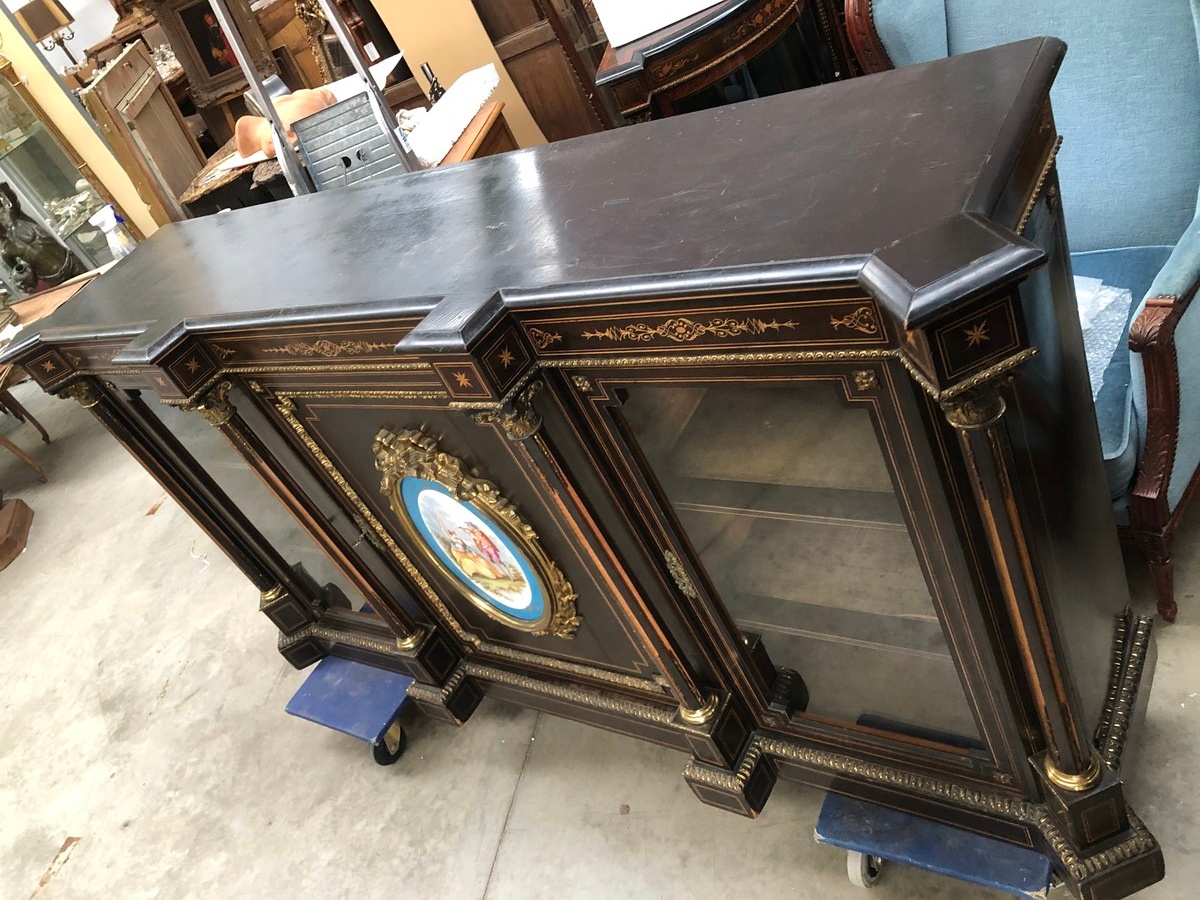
[204, 49]
[473, 536]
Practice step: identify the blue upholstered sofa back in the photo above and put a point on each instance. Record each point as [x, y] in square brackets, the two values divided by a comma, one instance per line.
[1127, 101]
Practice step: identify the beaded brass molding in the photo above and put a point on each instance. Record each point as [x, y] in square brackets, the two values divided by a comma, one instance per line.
[573, 694]
[1000, 804]
[413, 453]
[1116, 672]
[692, 359]
[1038, 186]
[335, 635]
[653, 686]
[734, 781]
[331, 368]
[368, 395]
[432, 694]
[1124, 684]
[968, 384]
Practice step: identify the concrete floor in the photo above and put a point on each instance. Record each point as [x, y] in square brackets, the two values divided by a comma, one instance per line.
[144, 750]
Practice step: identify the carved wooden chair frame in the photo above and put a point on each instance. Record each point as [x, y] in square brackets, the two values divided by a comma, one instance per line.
[1152, 334]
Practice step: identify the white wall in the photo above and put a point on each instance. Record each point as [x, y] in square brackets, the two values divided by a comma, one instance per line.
[94, 21]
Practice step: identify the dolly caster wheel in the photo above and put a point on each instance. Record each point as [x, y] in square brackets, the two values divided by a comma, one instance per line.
[863, 868]
[391, 746]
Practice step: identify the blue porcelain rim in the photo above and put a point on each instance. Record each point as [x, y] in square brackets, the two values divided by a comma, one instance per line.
[410, 489]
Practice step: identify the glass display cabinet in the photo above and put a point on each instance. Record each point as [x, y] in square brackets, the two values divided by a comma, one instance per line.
[51, 189]
[797, 476]
[734, 51]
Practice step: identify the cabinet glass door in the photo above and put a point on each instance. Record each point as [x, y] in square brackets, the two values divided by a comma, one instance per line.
[787, 499]
[256, 501]
[51, 192]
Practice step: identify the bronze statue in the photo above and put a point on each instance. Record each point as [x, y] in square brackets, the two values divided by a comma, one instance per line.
[34, 256]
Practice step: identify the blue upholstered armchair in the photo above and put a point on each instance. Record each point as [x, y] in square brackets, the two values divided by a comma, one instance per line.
[1127, 103]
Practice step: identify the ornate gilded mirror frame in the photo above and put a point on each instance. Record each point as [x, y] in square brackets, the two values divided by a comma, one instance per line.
[473, 535]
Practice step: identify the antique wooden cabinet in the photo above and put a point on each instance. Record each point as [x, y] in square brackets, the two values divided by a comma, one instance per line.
[775, 447]
[734, 50]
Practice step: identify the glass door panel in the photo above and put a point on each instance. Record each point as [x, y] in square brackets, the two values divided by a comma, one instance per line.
[786, 496]
[256, 501]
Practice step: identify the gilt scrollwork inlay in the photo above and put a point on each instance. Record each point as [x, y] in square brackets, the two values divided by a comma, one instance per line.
[330, 349]
[671, 66]
[682, 330]
[861, 320]
[542, 338]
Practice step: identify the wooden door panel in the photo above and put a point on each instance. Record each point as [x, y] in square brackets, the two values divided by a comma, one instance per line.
[545, 81]
[527, 45]
[502, 18]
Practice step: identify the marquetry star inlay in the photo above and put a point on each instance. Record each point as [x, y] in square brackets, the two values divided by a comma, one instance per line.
[506, 357]
[977, 334]
[463, 379]
[49, 366]
[192, 365]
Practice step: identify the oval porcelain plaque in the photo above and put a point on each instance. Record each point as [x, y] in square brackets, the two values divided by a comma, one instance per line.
[474, 549]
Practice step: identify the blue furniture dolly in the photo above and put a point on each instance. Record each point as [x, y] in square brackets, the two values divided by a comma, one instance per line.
[358, 700]
[874, 834]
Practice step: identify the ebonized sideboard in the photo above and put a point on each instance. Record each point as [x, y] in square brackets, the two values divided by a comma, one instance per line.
[776, 447]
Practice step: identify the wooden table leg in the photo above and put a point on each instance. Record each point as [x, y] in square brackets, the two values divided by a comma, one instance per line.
[15, 518]
[24, 457]
[9, 402]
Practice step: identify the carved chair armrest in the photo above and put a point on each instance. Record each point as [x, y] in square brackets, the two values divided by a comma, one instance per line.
[1161, 327]
[864, 37]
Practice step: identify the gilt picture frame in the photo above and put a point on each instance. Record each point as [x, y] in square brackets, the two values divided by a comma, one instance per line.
[204, 51]
[466, 529]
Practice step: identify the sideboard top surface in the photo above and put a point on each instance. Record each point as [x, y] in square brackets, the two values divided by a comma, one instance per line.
[833, 172]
